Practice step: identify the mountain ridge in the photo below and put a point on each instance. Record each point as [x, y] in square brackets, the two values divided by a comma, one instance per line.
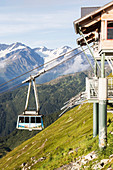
[17, 58]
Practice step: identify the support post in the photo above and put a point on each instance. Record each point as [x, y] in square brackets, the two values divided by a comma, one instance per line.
[28, 94]
[36, 96]
[95, 119]
[88, 47]
[88, 59]
[102, 106]
[102, 65]
[95, 112]
[102, 124]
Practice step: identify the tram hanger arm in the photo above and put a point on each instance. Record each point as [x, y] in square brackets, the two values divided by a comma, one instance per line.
[33, 77]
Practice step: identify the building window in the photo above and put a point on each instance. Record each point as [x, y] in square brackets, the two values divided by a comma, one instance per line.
[110, 30]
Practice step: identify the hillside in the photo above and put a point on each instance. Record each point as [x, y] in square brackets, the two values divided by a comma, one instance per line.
[3, 148]
[62, 142]
[52, 96]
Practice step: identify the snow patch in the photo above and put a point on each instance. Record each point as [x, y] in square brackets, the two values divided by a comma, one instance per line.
[49, 54]
[3, 53]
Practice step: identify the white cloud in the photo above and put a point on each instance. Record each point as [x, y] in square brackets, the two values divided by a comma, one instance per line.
[22, 23]
[53, 3]
[29, 20]
[77, 66]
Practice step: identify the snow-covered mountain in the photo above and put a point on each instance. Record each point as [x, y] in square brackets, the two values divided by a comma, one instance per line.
[50, 54]
[17, 58]
[77, 63]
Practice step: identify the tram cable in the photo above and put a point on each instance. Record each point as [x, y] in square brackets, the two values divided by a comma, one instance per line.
[3, 84]
[11, 89]
[45, 70]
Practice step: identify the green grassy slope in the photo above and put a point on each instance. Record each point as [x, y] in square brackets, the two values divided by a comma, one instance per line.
[50, 148]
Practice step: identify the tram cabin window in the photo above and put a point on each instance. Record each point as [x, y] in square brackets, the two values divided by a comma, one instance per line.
[26, 119]
[32, 119]
[110, 30]
[38, 119]
[21, 119]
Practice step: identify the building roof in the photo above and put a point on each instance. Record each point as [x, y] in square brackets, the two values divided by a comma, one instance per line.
[87, 10]
[91, 20]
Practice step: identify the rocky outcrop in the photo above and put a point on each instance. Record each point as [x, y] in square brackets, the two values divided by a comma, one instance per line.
[83, 162]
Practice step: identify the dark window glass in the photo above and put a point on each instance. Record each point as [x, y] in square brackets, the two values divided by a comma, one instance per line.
[38, 119]
[110, 24]
[32, 119]
[110, 30]
[21, 119]
[26, 119]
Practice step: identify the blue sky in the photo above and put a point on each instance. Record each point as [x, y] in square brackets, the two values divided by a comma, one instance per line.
[41, 22]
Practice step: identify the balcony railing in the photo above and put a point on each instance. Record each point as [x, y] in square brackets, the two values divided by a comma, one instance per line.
[92, 88]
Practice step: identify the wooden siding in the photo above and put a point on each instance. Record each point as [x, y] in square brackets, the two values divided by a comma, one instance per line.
[104, 42]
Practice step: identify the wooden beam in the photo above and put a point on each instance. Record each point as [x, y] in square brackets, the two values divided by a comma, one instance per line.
[83, 42]
[90, 38]
[91, 28]
[90, 22]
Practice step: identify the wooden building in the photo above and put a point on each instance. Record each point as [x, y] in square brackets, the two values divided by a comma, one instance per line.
[97, 26]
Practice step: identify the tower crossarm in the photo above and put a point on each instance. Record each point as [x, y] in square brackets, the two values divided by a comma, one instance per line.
[32, 77]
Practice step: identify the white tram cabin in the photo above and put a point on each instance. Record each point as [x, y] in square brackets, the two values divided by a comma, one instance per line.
[30, 121]
[97, 26]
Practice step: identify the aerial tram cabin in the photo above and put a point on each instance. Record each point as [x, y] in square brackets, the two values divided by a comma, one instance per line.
[31, 120]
